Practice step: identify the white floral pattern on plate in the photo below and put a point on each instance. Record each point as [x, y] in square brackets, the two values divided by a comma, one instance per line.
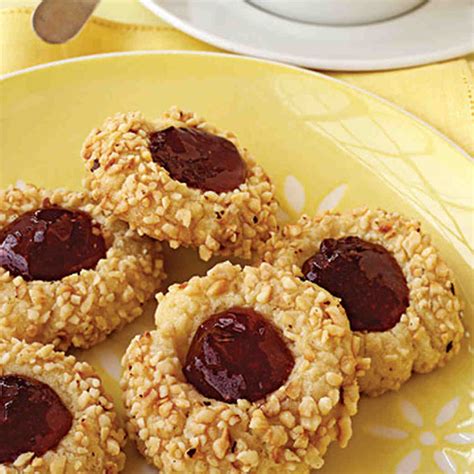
[428, 436]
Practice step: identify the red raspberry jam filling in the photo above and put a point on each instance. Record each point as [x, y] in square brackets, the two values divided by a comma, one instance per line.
[50, 243]
[365, 276]
[199, 159]
[32, 417]
[237, 354]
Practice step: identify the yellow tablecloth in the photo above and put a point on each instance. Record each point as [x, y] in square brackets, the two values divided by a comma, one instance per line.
[442, 94]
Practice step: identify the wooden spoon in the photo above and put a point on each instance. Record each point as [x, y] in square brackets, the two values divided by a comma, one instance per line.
[57, 21]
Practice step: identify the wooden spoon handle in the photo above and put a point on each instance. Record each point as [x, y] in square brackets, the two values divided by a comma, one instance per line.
[57, 21]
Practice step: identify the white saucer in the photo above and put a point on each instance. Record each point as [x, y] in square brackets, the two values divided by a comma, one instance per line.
[437, 30]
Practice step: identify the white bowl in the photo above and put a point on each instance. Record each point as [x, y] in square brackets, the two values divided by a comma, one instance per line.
[338, 12]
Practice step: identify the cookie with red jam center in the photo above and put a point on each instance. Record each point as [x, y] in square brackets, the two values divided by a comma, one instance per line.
[240, 360]
[396, 289]
[51, 407]
[68, 274]
[180, 179]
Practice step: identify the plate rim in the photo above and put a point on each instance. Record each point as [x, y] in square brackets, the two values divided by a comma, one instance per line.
[94, 57]
[326, 64]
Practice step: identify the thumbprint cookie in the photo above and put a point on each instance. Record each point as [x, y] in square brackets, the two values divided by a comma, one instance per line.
[181, 180]
[68, 275]
[54, 415]
[395, 288]
[249, 370]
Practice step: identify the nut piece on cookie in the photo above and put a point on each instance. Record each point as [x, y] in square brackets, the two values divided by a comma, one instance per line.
[397, 291]
[181, 180]
[56, 417]
[68, 275]
[249, 370]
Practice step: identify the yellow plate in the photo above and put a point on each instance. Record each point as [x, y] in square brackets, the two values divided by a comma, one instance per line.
[324, 143]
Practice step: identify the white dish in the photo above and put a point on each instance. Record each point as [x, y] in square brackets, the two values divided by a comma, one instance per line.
[338, 12]
[436, 31]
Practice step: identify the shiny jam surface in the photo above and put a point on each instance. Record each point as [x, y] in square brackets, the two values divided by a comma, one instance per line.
[32, 417]
[50, 243]
[365, 276]
[199, 159]
[237, 354]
